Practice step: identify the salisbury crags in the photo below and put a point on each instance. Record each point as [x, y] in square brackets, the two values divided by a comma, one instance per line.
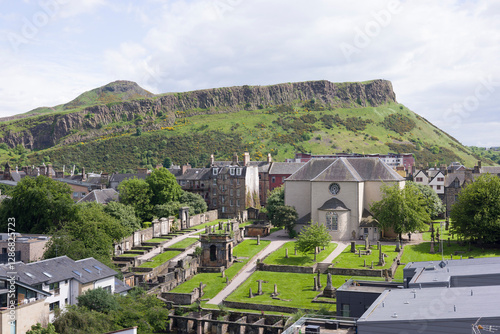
[89, 115]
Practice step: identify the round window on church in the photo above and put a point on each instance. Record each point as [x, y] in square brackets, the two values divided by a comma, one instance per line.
[334, 188]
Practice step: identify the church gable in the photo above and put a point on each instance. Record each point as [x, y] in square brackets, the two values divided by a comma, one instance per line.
[339, 170]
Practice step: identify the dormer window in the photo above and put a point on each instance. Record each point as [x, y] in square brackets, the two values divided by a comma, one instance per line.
[231, 171]
[238, 171]
[214, 171]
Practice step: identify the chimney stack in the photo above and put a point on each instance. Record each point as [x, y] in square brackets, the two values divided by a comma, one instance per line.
[212, 160]
[269, 158]
[246, 159]
[84, 176]
[184, 168]
[235, 159]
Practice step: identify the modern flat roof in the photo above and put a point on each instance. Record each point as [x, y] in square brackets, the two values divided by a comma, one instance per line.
[434, 304]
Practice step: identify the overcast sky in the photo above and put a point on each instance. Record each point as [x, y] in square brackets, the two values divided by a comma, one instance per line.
[441, 56]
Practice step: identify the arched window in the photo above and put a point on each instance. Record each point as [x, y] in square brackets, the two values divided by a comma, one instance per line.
[213, 253]
[332, 221]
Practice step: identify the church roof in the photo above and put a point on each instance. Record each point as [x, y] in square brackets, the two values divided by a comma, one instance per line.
[311, 169]
[339, 170]
[334, 204]
[346, 169]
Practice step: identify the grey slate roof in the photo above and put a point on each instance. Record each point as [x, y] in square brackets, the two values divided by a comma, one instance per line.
[339, 170]
[450, 178]
[491, 169]
[311, 169]
[193, 174]
[285, 168]
[59, 269]
[334, 204]
[102, 196]
[346, 169]
[120, 286]
[74, 182]
[9, 183]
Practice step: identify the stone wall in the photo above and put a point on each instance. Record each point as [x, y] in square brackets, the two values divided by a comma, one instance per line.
[260, 307]
[286, 269]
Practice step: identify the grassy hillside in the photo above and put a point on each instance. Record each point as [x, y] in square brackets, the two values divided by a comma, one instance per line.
[305, 126]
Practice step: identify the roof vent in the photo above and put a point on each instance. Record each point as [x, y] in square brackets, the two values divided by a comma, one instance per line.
[442, 264]
[394, 315]
[430, 268]
[47, 274]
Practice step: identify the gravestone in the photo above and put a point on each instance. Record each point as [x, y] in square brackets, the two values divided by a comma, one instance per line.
[432, 248]
[353, 246]
[381, 261]
[201, 289]
[258, 240]
[330, 290]
[319, 280]
[315, 287]
[367, 244]
[250, 294]
[260, 287]
[295, 251]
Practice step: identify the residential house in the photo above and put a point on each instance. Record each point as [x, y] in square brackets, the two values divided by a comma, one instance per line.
[64, 278]
[279, 171]
[21, 305]
[28, 247]
[101, 196]
[338, 193]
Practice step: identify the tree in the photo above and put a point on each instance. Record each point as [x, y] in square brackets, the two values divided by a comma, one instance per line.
[38, 329]
[98, 300]
[315, 235]
[163, 186]
[286, 216]
[38, 205]
[194, 201]
[434, 205]
[90, 234]
[476, 214]
[403, 210]
[125, 214]
[136, 193]
[275, 199]
[167, 162]
[81, 320]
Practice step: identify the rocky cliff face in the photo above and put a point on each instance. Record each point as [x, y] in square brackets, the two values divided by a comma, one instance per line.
[44, 131]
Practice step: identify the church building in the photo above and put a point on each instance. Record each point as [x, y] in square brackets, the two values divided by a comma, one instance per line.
[338, 193]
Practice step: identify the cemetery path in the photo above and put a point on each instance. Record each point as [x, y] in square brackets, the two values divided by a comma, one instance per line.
[341, 245]
[277, 241]
[158, 250]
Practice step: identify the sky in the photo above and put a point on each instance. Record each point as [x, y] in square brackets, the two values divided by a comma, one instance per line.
[442, 57]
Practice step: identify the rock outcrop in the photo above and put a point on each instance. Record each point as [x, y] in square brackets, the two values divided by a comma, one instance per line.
[44, 131]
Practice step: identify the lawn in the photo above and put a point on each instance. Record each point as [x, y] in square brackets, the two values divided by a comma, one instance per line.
[443, 234]
[156, 240]
[278, 257]
[351, 260]
[184, 243]
[296, 290]
[202, 226]
[215, 282]
[160, 259]
[420, 252]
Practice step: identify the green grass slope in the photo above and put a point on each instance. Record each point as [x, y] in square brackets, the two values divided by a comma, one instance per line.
[279, 130]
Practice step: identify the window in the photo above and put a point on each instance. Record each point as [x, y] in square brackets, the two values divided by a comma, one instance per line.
[107, 288]
[231, 192]
[231, 202]
[214, 182]
[440, 179]
[53, 306]
[438, 187]
[66, 301]
[237, 193]
[223, 209]
[365, 230]
[273, 179]
[53, 286]
[183, 183]
[238, 171]
[346, 310]
[75, 194]
[237, 181]
[332, 221]
[214, 171]
[222, 199]
[418, 179]
[237, 202]
[231, 171]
